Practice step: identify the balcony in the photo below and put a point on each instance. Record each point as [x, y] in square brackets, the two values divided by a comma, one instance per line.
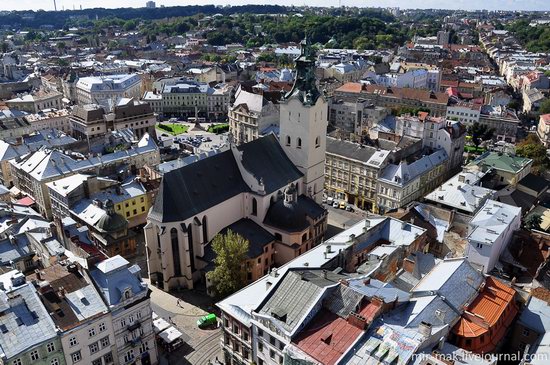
[134, 326]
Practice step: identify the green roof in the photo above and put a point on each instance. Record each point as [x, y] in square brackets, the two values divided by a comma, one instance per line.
[502, 161]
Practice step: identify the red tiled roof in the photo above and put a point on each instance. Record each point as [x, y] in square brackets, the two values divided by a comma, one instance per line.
[327, 337]
[494, 308]
[350, 87]
[451, 83]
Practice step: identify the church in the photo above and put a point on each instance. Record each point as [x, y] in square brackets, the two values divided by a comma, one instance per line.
[268, 190]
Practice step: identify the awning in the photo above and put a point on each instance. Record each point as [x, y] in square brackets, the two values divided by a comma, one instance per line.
[26, 201]
[160, 324]
[170, 335]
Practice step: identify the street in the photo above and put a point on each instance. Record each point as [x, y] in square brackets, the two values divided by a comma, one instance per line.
[201, 345]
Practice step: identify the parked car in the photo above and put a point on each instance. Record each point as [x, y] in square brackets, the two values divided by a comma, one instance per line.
[350, 208]
[342, 205]
[330, 200]
[335, 204]
[207, 320]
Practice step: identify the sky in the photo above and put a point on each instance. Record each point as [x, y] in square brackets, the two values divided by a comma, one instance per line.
[436, 4]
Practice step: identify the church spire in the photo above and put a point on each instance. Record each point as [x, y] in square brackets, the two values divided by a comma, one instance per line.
[305, 87]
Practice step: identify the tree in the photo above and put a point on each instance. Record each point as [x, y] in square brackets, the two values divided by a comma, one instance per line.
[533, 221]
[229, 274]
[531, 148]
[480, 132]
[545, 106]
[61, 46]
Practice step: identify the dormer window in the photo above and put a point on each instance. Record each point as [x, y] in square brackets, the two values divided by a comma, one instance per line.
[127, 294]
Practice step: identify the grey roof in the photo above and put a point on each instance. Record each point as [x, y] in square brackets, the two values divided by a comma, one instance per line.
[461, 192]
[343, 300]
[48, 164]
[192, 189]
[454, 279]
[113, 277]
[404, 173]
[14, 251]
[534, 182]
[373, 287]
[295, 295]
[349, 150]
[22, 305]
[491, 221]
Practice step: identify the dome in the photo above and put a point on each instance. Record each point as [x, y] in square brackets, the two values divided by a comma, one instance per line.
[111, 221]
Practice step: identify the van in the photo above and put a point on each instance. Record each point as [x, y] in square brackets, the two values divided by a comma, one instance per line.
[330, 200]
[342, 205]
[207, 320]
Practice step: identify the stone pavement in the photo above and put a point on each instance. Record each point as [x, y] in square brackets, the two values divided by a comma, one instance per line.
[202, 345]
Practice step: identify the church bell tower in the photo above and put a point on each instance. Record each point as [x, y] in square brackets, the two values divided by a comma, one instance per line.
[303, 124]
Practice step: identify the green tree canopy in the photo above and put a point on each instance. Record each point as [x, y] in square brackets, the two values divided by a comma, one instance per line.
[532, 148]
[229, 274]
[545, 106]
[533, 221]
[480, 132]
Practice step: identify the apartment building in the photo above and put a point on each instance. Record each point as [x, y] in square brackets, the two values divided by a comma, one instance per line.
[352, 172]
[107, 90]
[251, 116]
[399, 184]
[128, 299]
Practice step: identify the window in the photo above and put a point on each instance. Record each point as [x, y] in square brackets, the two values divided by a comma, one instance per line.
[91, 332]
[54, 361]
[254, 206]
[299, 143]
[73, 341]
[317, 142]
[34, 355]
[135, 211]
[76, 356]
[260, 347]
[17, 362]
[96, 362]
[108, 358]
[104, 342]
[272, 340]
[526, 332]
[102, 327]
[51, 347]
[175, 251]
[94, 347]
[288, 140]
[272, 354]
[479, 245]
[129, 356]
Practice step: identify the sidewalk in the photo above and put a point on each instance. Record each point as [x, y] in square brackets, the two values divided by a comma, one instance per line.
[169, 302]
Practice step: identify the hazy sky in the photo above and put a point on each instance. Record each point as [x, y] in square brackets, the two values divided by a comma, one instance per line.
[442, 4]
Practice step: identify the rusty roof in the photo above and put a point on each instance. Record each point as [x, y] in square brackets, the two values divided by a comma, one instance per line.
[491, 312]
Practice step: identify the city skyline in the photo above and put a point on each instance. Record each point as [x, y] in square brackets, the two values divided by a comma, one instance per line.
[528, 5]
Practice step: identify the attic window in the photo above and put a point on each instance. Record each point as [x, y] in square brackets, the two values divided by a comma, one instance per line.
[3, 328]
[326, 338]
[127, 294]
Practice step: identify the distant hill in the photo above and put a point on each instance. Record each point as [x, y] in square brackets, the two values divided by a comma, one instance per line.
[58, 19]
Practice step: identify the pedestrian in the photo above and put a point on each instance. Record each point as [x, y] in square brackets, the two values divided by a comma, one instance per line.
[178, 303]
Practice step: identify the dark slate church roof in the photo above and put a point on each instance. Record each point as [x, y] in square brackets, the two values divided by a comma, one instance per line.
[194, 188]
[256, 236]
[293, 218]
